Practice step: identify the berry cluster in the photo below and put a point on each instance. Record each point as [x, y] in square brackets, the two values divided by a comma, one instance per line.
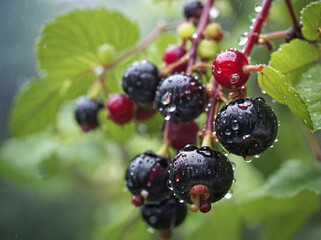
[199, 174]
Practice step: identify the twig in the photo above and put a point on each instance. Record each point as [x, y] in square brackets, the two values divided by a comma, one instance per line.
[295, 22]
[254, 33]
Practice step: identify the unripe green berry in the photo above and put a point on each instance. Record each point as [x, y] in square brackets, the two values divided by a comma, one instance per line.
[185, 30]
[207, 49]
[214, 31]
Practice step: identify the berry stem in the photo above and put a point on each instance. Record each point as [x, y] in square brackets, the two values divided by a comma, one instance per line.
[295, 22]
[268, 36]
[201, 27]
[254, 33]
[163, 151]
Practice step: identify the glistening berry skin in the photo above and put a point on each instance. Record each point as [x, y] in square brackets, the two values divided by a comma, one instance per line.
[193, 9]
[120, 108]
[172, 54]
[147, 175]
[227, 68]
[181, 134]
[194, 166]
[140, 81]
[168, 214]
[246, 126]
[180, 98]
[86, 110]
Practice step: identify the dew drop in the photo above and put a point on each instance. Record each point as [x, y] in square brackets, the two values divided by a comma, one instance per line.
[235, 125]
[234, 78]
[166, 98]
[229, 194]
[227, 132]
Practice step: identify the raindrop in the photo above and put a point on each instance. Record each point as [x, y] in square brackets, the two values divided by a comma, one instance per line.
[152, 219]
[234, 78]
[99, 70]
[227, 132]
[257, 155]
[234, 181]
[258, 8]
[233, 165]
[181, 201]
[229, 194]
[171, 108]
[214, 12]
[166, 98]
[150, 230]
[235, 125]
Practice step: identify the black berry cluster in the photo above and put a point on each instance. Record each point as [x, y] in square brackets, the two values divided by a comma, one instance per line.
[181, 91]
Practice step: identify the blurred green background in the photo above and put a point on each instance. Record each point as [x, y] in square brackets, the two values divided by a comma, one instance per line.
[63, 184]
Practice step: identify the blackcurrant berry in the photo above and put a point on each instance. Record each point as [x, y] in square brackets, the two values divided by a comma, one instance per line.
[181, 134]
[193, 9]
[180, 98]
[86, 110]
[200, 176]
[227, 68]
[146, 178]
[168, 214]
[140, 81]
[246, 126]
[172, 54]
[120, 108]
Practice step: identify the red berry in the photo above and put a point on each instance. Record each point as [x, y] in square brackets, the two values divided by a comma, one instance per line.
[227, 68]
[181, 134]
[205, 207]
[137, 200]
[172, 54]
[120, 108]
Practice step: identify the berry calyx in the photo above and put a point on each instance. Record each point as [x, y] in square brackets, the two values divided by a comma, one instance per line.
[246, 126]
[185, 30]
[86, 110]
[180, 98]
[140, 81]
[193, 9]
[207, 49]
[181, 134]
[120, 109]
[227, 68]
[200, 176]
[172, 54]
[164, 216]
[146, 178]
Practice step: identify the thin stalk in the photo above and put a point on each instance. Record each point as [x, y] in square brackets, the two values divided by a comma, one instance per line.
[254, 33]
[295, 22]
[201, 27]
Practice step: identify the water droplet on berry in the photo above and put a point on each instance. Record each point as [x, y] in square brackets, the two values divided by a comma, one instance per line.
[151, 230]
[258, 8]
[99, 70]
[257, 156]
[166, 98]
[234, 181]
[214, 12]
[235, 125]
[229, 194]
[177, 178]
[234, 78]
[233, 165]
[227, 132]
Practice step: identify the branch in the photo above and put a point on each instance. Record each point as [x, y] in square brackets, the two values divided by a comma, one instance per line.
[295, 22]
[254, 33]
[202, 24]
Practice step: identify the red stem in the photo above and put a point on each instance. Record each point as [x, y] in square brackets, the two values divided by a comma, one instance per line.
[254, 33]
[201, 26]
[293, 17]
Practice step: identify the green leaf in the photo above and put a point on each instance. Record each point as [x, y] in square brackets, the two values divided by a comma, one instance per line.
[310, 89]
[293, 177]
[280, 89]
[82, 40]
[298, 61]
[71, 52]
[156, 50]
[311, 21]
[280, 219]
[294, 58]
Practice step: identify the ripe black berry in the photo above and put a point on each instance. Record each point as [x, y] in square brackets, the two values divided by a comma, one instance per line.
[120, 108]
[168, 214]
[146, 178]
[86, 110]
[140, 81]
[193, 9]
[181, 134]
[200, 176]
[180, 98]
[246, 126]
